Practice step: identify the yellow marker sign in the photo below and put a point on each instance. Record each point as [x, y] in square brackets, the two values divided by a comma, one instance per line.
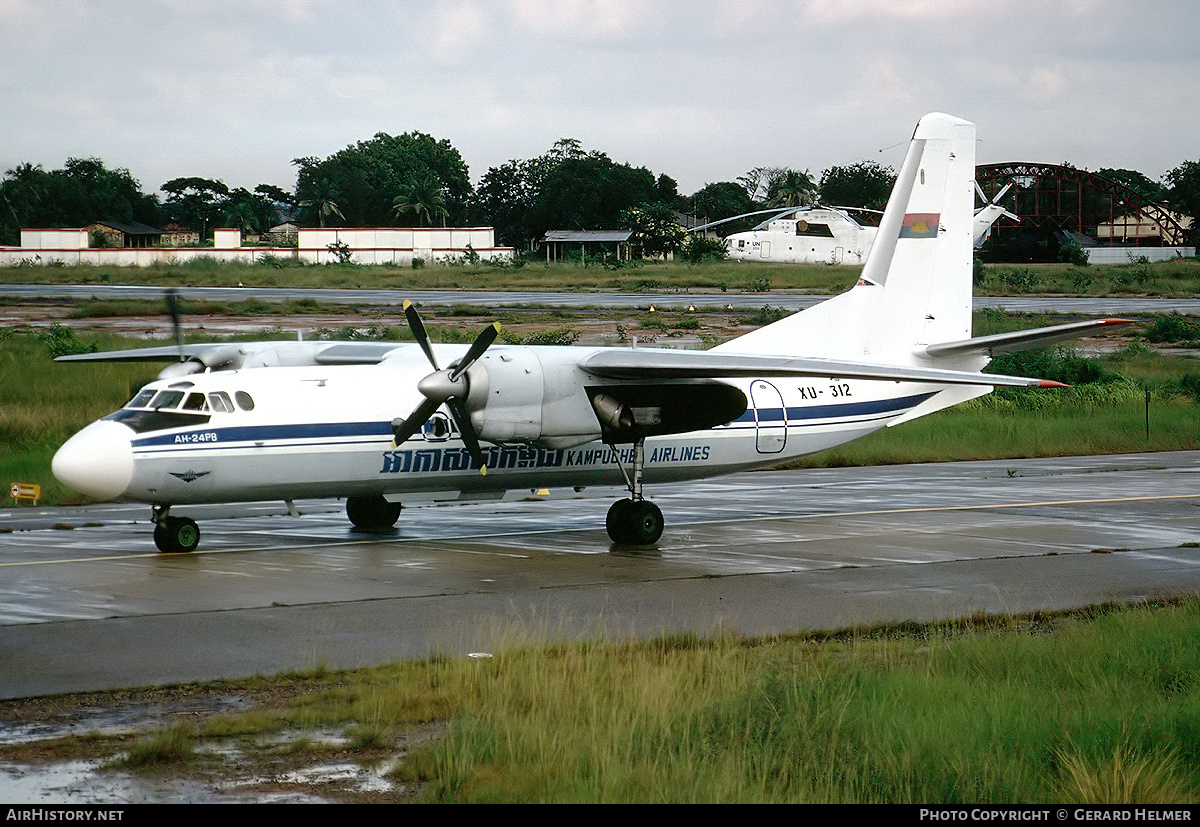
[26, 491]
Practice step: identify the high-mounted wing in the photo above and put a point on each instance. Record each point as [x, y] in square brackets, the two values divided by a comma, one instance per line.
[677, 364]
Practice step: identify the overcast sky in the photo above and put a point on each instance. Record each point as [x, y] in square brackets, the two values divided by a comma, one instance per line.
[702, 91]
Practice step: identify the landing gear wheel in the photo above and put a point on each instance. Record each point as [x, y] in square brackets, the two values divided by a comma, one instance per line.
[372, 513]
[634, 523]
[176, 535]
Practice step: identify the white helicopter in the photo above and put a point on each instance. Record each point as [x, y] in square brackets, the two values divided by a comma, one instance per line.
[829, 235]
[374, 422]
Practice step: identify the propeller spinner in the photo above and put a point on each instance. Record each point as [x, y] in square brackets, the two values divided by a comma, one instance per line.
[449, 387]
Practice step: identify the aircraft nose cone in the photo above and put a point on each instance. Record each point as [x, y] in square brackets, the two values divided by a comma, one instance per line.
[97, 461]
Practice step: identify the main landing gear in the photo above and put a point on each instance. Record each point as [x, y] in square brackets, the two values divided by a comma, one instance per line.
[174, 535]
[634, 521]
[372, 514]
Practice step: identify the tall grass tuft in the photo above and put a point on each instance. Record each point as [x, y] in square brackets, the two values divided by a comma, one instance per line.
[163, 748]
[1123, 778]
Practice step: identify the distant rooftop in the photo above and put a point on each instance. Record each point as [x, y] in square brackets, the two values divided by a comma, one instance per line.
[584, 236]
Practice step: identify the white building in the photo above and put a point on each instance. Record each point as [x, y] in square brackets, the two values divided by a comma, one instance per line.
[385, 245]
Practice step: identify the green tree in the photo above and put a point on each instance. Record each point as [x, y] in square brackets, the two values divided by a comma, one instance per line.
[321, 201]
[1184, 191]
[865, 184]
[791, 188]
[656, 230]
[425, 199]
[253, 212]
[1144, 186]
[565, 188]
[21, 193]
[363, 179]
[82, 192]
[724, 199]
[195, 202]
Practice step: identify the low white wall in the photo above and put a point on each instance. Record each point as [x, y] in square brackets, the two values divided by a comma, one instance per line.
[73, 239]
[1124, 255]
[135, 257]
[388, 245]
[383, 245]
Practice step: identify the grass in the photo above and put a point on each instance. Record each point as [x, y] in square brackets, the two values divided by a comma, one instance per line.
[1179, 277]
[1099, 705]
[987, 713]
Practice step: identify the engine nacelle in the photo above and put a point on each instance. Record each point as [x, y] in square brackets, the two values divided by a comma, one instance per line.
[533, 395]
[519, 394]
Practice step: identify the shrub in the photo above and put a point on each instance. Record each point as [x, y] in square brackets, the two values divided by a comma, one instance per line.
[1172, 328]
[1072, 252]
[701, 248]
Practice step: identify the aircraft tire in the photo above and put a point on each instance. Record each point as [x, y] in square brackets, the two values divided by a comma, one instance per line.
[635, 524]
[177, 535]
[617, 521]
[372, 513]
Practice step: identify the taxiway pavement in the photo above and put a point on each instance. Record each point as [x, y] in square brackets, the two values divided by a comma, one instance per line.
[86, 603]
[789, 300]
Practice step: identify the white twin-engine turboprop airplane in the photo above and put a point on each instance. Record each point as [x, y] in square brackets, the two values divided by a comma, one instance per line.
[374, 422]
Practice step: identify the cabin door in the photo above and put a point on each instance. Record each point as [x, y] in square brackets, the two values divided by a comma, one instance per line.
[764, 249]
[770, 417]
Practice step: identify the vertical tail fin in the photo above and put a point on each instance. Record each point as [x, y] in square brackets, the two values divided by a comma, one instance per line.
[916, 283]
[922, 255]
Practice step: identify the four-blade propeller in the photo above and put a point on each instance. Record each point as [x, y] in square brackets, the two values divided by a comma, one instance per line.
[449, 387]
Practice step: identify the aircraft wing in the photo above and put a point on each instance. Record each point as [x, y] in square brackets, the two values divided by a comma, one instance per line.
[316, 353]
[658, 365]
[1021, 339]
[141, 354]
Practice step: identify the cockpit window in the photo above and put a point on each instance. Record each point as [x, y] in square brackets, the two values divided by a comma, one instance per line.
[142, 399]
[194, 402]
[167, 399]
[220, 402]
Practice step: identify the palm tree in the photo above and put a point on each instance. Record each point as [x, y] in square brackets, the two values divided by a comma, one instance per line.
[23, 186]
[791, 188]
[425, 200]
[322, 201]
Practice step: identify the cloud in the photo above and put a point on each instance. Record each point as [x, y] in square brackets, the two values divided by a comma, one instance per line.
[229, 90]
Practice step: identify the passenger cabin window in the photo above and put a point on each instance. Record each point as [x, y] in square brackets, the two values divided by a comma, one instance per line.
[244, 401]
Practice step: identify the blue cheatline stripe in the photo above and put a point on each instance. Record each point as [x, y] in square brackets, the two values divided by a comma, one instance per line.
[858, 408]
[265, 433]
[841, 409]
[346, 432]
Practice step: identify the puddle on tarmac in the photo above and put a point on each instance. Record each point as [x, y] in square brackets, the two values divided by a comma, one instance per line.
[229, 774]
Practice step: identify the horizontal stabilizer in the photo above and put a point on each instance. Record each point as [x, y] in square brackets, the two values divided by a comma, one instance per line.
[684, 365]
[1021, 339]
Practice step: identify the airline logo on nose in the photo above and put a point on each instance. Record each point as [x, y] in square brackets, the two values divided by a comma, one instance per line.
[920, 225]
[189, 476]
